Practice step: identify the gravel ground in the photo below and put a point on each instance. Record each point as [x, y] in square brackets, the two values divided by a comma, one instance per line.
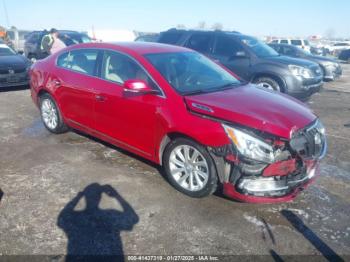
[71, 194]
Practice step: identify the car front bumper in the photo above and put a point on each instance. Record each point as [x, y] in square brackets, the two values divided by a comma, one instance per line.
[332, 73]
[303, 88]
[13, 80]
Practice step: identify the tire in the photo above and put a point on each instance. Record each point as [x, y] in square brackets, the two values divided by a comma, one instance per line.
[268, 83]
[200, 170]
[51, 115]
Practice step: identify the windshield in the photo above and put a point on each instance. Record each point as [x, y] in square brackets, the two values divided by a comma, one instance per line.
[5, 51]
[259, 48]
[192, 73]
[73, 39]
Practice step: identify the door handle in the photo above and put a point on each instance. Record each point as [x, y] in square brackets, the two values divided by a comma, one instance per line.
[100, 98]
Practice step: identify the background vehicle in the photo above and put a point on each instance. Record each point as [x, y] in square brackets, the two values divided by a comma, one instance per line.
[252, 60]
[33, 41]
[345, 55]
[147, 38]
[330, 67]
[336, 48]
[17, 38]
[179, 109]
[302, 43]
[13, 68]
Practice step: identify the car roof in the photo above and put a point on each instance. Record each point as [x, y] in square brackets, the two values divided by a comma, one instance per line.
[140, 48]
[4, 46]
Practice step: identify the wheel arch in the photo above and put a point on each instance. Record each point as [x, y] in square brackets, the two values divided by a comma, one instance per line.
[278, 79]
[167, 138]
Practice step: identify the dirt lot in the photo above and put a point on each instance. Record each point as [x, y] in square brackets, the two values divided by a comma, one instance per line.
[48, 180]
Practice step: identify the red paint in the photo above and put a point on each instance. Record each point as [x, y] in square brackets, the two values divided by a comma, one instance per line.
[139, 123]
[281, 168]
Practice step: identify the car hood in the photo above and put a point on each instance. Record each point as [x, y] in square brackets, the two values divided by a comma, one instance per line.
[287, 60]
[254, 107]
[13, 61]
[321, 59]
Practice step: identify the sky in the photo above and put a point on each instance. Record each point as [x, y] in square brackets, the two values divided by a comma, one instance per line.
[254, 17]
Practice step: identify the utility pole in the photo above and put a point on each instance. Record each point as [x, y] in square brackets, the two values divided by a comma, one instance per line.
[6, 13]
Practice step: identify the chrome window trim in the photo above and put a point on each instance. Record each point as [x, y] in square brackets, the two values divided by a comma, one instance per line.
[162, 94]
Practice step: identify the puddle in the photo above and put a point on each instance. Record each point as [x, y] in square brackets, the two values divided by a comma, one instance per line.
[37, 129]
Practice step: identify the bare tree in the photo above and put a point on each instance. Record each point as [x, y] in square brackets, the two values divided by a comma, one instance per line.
[217, 26]
[330, 33]
[180, 26]
[202, 25]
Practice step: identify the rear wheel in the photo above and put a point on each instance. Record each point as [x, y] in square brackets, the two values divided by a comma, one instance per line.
[190, 168]
[51, 115]
[268, 83]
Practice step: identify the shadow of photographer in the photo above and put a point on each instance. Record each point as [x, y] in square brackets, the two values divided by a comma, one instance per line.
[94, 231]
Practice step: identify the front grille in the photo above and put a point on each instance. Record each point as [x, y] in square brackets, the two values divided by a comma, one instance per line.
[6, 71]
[310, 142]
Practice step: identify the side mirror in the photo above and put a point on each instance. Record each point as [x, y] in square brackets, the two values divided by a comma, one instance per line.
[135, 86]
[20, 52]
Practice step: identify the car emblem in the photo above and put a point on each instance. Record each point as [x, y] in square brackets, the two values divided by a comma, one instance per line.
[11, 71]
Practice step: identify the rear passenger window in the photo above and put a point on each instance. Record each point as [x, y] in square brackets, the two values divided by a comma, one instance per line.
[284, 41]
[200, 42]
[82, 61]
[296, 42]
[170, 38]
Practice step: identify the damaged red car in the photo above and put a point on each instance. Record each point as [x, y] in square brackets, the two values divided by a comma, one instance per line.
[177, 108]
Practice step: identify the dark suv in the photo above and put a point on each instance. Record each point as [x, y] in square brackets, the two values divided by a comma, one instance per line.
[252, 60]
[33, 41]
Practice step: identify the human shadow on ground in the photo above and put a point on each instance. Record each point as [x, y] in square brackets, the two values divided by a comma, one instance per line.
[94, 233]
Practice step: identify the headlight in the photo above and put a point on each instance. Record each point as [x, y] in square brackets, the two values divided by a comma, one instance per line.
[329, 64]
[250, 146]
[300, 71]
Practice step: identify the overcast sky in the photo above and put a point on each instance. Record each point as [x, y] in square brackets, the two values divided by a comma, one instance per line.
[255, 17]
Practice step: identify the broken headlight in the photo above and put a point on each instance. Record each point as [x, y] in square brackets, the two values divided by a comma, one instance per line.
[249, 146]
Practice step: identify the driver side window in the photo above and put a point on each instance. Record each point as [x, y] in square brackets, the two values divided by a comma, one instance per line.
[119, 68]
[226, 47]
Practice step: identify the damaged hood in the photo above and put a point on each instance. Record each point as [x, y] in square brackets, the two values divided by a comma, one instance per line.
[254, 107]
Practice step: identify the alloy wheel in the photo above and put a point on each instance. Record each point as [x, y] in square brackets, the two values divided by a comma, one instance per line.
[49, 114]
[189, 168]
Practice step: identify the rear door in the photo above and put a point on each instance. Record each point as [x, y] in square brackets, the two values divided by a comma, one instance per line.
[75, 78]
[232, 55]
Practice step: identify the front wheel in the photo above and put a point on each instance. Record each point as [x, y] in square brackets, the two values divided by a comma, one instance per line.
[268, 83]
[51, 115]
[190, 168]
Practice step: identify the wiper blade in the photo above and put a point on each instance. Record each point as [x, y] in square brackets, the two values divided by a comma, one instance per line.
[194, 92]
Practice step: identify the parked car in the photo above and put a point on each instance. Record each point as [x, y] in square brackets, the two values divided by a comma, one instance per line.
[252, 60]
[147, 38]
[13, 68]
[302, 43]
[17, 38]
[336, 48]
[179, 109]
[33, 41]
[330, 67]
[345, 55]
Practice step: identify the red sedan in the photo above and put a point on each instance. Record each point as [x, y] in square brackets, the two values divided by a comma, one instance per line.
[179, 109]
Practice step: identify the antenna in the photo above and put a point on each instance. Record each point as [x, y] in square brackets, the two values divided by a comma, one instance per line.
[6, 13]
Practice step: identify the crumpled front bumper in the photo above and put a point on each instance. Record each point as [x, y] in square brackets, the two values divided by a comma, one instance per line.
[276, 192]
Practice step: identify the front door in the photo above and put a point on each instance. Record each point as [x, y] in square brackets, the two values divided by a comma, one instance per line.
[129, 119]
[232, 55]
